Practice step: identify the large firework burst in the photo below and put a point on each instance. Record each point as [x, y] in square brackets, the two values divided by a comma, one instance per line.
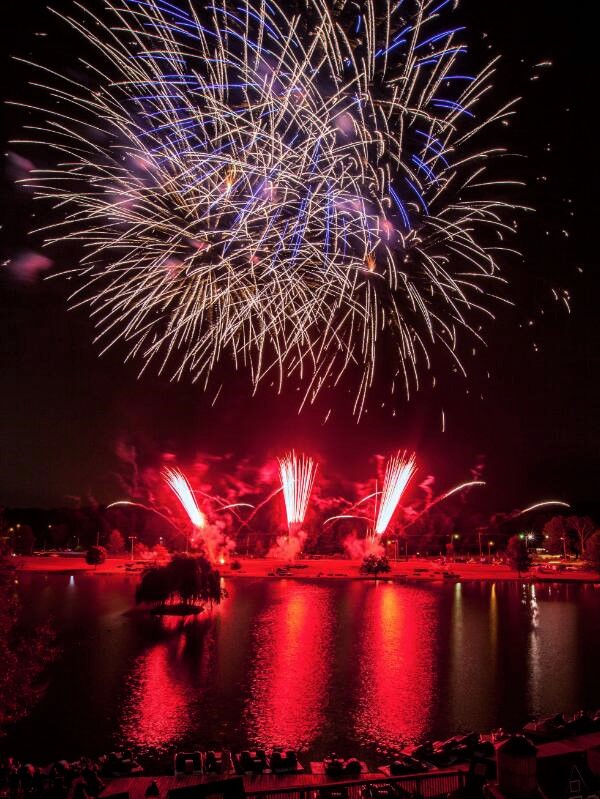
[287, 186]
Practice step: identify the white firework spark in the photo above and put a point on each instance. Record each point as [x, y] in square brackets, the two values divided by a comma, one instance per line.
[398, 472]
[297, 474]
[180, 486]
[285, 186]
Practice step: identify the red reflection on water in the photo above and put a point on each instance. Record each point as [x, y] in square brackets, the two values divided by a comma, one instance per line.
[396, 663]
[156, 710]
[287, 703]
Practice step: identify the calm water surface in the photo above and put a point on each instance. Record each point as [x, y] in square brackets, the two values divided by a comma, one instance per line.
[359, 667]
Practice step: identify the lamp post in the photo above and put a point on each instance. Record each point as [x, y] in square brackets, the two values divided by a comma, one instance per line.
[563, 538]
[132, 538]
[480, 531]
[490, 545]
[529, 537]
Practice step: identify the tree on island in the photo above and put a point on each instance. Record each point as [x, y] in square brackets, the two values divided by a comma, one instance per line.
[183, 585]
[375, 564]
[116, 543]
[517, 554]
[95, 556]
[592, 550]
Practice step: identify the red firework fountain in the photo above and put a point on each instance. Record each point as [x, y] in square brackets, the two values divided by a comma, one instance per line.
[297, 474]
[180, 486]
[398, 472]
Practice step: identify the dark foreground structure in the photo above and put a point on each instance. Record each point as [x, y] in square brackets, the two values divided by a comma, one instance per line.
[516, 768]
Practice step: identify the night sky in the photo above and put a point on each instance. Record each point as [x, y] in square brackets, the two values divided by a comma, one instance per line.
[536, 418]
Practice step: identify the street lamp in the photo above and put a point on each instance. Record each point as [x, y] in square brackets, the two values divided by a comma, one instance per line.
[490, 545]
[132, 538]
[563, 538]
[529, 537]
[480, 531]
[395, 543]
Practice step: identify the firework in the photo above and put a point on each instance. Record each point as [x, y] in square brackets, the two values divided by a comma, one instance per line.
[398, 472]
[286, 187]
[546, 503]
[297, 473]
[180, 486]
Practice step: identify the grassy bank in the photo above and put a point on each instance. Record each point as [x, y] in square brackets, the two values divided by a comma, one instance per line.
[322, 568]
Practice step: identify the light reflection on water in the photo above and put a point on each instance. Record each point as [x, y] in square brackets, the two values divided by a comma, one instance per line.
[358, 667]
[155, 714]
[398, 635]
[291, 669]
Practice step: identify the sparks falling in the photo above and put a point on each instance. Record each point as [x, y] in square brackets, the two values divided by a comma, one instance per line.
[297, 473]
[284, 187]
[398, 473]
[180, 486]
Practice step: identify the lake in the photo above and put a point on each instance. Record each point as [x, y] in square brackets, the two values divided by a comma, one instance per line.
[358, 667]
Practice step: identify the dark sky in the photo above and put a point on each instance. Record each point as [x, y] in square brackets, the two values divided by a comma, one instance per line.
[536, 418]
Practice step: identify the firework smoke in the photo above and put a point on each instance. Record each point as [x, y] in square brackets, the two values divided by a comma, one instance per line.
[360, 548]
[288, 547]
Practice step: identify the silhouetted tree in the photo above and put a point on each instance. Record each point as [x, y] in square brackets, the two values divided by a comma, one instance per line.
[186, 579]
[160, 552]
[592, 550]
[517, 554]
[59, 534]
[155, 587]
[556, 535]
[24, 539]
[375, 564]
[583, 527]
[24, 654]
[95, 556]
[116, 543]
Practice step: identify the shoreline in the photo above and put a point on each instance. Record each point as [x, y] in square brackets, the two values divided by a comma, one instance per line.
[323, 569]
